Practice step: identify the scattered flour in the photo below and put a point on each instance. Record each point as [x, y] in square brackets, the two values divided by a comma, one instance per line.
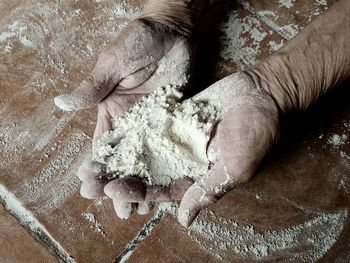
[57, 180]
[306, 242]
[290, 30]
[160, 139]
[274, 46]
[91, 218]
[321, 2]
[242, 37]
[337, 140]
[126, 10]
[169, 207]
[99, 202]
[286, 3]
[234, 41]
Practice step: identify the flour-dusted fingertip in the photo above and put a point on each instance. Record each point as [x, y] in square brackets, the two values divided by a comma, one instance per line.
[110, 189]
[183, 217]
[122, 209]
[143, 208]
[127, 189]
[91, 190]
[186, 216]
[64, 103]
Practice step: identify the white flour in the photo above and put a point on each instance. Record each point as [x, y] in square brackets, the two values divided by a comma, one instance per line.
[243, 34]
[160, 139]
[91, 218]
[286, 3]
[306, 242]
[62, 45]
[337, 140]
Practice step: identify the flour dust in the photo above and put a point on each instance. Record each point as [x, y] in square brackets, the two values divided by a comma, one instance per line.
[160, 139]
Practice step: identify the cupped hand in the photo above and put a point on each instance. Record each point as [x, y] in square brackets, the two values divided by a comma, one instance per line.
[142, 57]
[246, 131]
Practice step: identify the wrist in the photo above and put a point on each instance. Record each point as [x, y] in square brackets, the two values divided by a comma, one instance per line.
[273, 77]
[178, 15]
[316, 61]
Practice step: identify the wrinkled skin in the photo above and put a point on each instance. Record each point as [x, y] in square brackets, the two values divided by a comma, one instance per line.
[129, 68]
[314, 62]
[246, 131]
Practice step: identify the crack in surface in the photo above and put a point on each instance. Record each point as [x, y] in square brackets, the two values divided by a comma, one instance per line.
[14, 207]
[140, 237]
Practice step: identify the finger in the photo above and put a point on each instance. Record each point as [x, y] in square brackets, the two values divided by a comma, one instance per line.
[89, 170]
[92, 187]
[173, 192]
[103, 124]
[195, 199]
[136, 79]
[127, 189]
[131, 189]
[207, 191]
[144, 208]
[93, 89]
[92, 190]
[122, 209]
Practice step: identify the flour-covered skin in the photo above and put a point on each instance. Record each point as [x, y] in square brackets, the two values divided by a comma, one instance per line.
[247, 129]
[290, 80]
[160, 139]
[316, 61]
[141, 56]
[153, 50]
[247, 126]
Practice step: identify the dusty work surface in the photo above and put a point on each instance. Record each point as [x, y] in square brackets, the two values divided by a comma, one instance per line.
[294, 210]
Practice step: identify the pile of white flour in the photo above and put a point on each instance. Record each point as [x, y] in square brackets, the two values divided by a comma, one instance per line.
[160, 139]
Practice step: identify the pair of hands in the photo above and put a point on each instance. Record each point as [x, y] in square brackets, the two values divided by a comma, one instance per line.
[145, 56]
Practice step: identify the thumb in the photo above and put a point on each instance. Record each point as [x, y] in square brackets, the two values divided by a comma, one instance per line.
[207, 191]
[92, 90]
[194, 200]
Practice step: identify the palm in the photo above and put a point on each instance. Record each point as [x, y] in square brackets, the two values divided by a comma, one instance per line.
[247, 130]
[113, 106]
[172, 68]
[141, 58]
[242, 139]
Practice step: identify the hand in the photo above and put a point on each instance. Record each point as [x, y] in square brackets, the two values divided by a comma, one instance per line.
[247, 130]
[291, 79]
[142, 57]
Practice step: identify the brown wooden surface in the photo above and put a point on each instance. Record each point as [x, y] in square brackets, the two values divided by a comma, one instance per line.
[46, 48]
[17, 245]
